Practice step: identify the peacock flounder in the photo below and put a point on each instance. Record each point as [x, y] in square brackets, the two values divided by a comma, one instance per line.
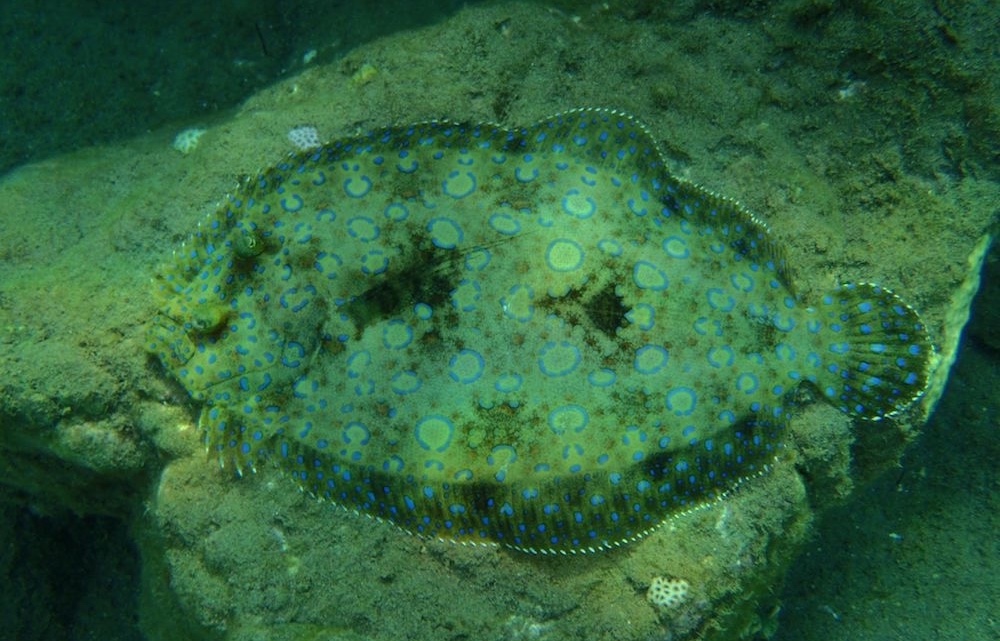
[536, 337]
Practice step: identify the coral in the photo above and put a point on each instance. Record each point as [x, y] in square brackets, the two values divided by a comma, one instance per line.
[304, 137]
[668, 592]
[187, 140]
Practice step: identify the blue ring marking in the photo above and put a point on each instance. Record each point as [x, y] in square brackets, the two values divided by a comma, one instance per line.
[742, 282]
[721, 356]
[785, 352]
[285, 203]
[408, 167]
[445, 232]
[293, 350]
[477, 259]
[610, 247]
[676, 247]
[558, 359]
[396, 211]
[564, 255]
[363, 228]
[783, 323]
[466, 367]
[813, 326]
[747, 383]
[452, 185]
[682, 401]
[423, 311]
[356, 433]
[719, 300]
[840, 348]
[505, 224]
[520, 295]
[571, 417]
[650, 359]
[523, 176]
[636, 208]
[405, 382]
[646, 275]
[303, 231]
[357, 187]
[465, 296]
[642, 315]
[508, 383]
[326, 215]
[602, 378]
[572, 205]
[395, 464]
[357, 362]
[374, 262]
[396, 334]
[501, 456]
[434, 432]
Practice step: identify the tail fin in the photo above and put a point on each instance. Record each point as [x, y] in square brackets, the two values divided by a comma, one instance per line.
[877, 360]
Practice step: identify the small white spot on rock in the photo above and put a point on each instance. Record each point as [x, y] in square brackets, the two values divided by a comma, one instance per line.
[187, 140]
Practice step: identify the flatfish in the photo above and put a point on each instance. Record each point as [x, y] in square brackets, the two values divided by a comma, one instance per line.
[536, 336]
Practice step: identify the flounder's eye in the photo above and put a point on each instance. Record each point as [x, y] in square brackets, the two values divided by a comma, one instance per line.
[248, 243]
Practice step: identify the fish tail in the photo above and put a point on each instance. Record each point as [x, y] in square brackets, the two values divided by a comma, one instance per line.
[875, 353]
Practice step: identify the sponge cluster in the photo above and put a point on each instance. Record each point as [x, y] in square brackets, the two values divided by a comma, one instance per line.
[668, 592]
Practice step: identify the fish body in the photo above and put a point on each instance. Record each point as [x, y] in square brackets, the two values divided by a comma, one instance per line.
[535, 337]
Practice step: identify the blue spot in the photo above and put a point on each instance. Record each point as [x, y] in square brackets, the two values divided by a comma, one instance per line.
[682, 401]
[840, 348]
[357, 187]
[564, 255]
[719, 300]
[505, 224]
[722, 356]
[459, 185]
[578, 206]
[292, 204]
[445, 233]
[396, 211]
[650, 359]
[602, 378]
[434, 432]
[558, 359]
[747, 383]
[646, 275]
